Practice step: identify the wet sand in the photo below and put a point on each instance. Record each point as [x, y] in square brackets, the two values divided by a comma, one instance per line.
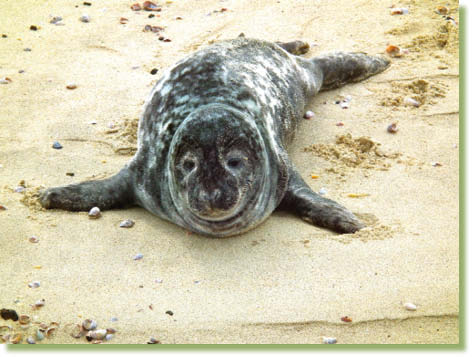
[284, 282]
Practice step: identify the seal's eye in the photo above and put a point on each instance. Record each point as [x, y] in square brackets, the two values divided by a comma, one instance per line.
[188, 165]
[234, 163]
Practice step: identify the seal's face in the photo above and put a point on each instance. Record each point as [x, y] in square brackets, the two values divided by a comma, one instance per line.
[218, 168]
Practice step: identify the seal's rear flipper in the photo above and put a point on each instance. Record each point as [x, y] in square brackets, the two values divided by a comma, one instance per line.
[320, 211]
[340, 68]
[113, 192]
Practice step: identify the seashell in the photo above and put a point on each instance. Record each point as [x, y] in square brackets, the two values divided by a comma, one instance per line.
[38, 304]
[84, 18]
[97, 342]
[329, 340]
[153, 341]
[89, 324]
[410, 306]
[436, 164]
[393, 51]
[34, 284]
[399, 11]
[55, 20]
[71, 86]
[50, 332]
[2, 208]
[442, 10]
[109, 336]
[308, 115]
[98, 334]
[43, 327]
[136, 7]
[392, 128]
[123, 20]
[150, 6]
[323, 191]
[30, 340]
[346, 319]
[24, 319]
[111, 330]
[128, 223]
[94, 213]
[412, 102]
[5, 80]
[5, 328]
[16, 338]
[138, 256]
[39, 335]
[34, 239]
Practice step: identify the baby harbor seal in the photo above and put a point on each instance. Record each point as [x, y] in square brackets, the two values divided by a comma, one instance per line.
[212, 140]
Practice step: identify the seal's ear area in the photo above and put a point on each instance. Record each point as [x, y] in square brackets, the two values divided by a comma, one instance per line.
[113, 192]
[315, 209]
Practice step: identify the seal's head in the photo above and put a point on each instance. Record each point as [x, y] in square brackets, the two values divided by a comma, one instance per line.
[220, 176]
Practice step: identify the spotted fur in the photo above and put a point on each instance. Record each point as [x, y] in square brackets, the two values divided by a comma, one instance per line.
[237, 101]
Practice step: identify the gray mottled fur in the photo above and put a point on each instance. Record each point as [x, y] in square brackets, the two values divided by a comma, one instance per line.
[244, 88]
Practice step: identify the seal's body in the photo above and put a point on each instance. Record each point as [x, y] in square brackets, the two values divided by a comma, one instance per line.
[212, 140]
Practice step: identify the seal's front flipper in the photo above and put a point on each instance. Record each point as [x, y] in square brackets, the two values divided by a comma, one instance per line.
[295, 47]
[316, 209]
[113, 192]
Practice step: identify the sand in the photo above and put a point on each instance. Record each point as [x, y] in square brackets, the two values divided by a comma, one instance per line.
[284, 282]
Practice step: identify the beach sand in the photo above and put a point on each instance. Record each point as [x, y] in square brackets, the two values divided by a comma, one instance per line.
[283, 282]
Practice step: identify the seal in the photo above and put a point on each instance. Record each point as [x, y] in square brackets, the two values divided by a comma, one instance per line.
[212, 140]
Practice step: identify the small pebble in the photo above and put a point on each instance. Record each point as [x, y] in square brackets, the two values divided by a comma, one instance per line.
[21, 71]
[340, 124]
[410, 307]
[392, 128]
[39, 303]
[70, 174]
[138, 256]
[34, 284]
[30, 340]
[159, 281]
[393, 51]
[329, 340]
[150, 16]
[93, 122]
[128, 223]
[170, 313]
[4, 36]
[19, 189]
[442, 10]
[323, 191]
[9, 314]
[436, 164]
[123, 20]
[309, 114]
[86, 3]
[154, 71]
[114, 319]
[56, 145]
[27, 49]
[94, 213]
[84, 18]
[153, 341]
[136, 7]
[34, 28]
[34, 239]
[346, 319]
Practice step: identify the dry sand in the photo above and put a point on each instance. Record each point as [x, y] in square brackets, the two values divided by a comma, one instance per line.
[284, 282]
